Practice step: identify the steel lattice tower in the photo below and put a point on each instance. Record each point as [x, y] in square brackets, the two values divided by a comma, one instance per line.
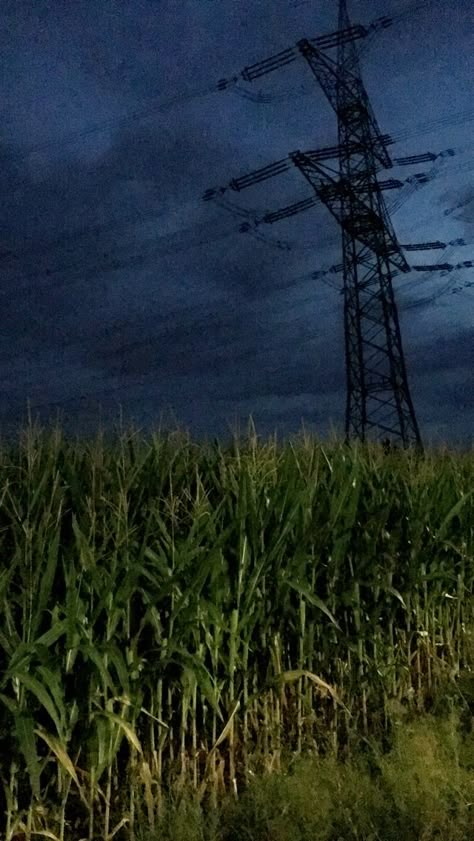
[378, 396]
[378, 403]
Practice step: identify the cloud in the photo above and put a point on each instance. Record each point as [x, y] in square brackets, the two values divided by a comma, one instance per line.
[445, 352]
[121, 282]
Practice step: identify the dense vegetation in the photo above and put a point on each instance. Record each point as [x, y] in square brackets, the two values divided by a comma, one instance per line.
[178, 619]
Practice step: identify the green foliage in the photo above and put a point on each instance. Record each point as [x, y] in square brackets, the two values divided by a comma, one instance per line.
[176, 617]
[421, 789]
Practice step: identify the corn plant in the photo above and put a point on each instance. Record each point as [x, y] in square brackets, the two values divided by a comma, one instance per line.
[180, 616]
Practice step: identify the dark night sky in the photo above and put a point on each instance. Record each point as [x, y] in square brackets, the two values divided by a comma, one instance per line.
[121, 286]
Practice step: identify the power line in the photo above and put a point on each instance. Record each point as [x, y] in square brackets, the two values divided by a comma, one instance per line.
[115, 264]
[415, 184]
[180, 312]
[161, 247]
[423, 128]
[143, 378]
[273, 293]
[160, 106]
[201, 322]
[196, 325]
[165, 105]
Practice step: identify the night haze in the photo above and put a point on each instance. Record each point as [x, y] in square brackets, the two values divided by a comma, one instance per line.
[122, 287]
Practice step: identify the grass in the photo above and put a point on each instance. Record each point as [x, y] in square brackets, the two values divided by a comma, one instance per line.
[420, 789]
[183, 619]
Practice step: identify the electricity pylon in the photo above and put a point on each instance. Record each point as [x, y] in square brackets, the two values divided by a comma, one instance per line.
[378, 395]
[378, 398]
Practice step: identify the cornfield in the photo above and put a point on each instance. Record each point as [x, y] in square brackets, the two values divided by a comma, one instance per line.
[178, 615]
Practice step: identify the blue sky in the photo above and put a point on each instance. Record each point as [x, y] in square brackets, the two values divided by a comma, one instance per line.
[121, 286]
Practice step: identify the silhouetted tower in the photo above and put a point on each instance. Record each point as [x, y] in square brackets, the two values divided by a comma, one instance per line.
[378, 396]
[378, 403]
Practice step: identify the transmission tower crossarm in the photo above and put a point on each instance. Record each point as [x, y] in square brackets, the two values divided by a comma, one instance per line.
[435, 267]
[306, 204]
[354, 32]
[281, 59]
[255, 177]
[285, 164]
[289, 210]
[415, 159]
[363, 222]
[261, 174]
[425, 246]
[261, 68]
[336, 151]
